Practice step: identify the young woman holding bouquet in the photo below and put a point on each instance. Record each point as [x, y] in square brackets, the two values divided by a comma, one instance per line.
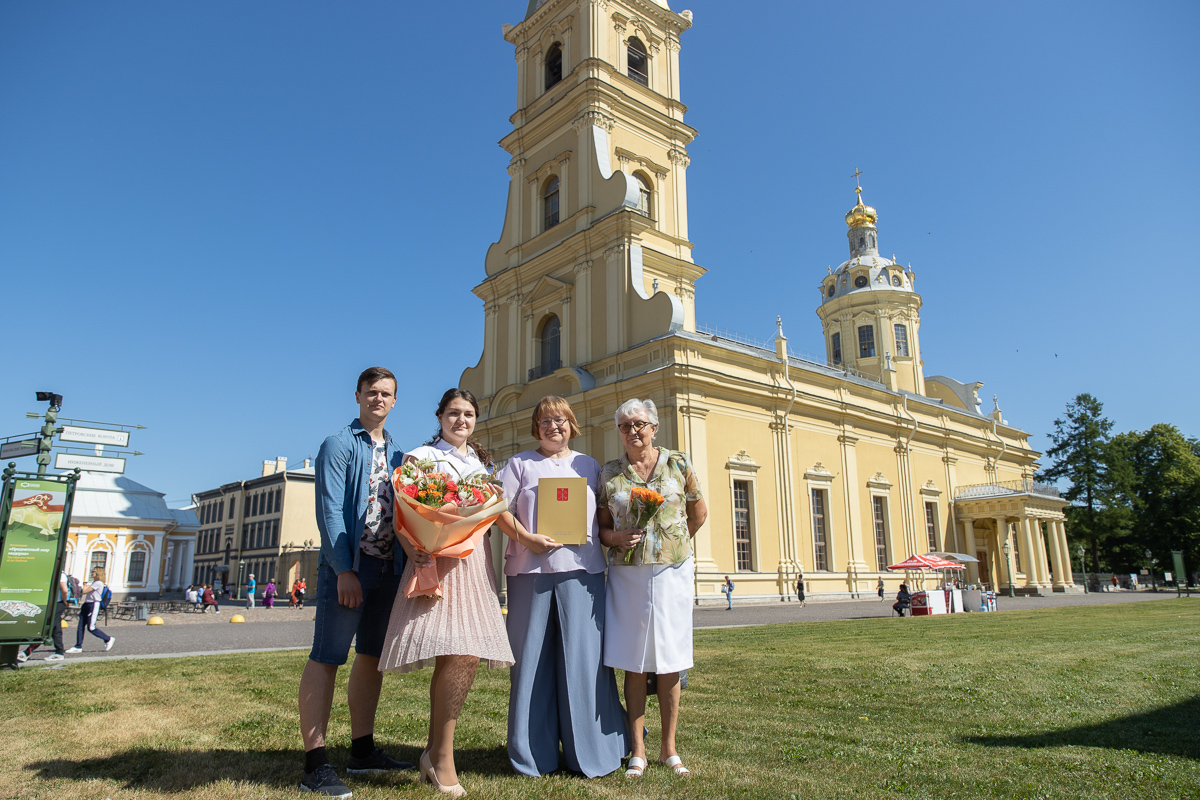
[650, 507]
[464, 626]
[560, 691]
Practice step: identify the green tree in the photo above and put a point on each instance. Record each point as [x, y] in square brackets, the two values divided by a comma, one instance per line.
[1079, 453]
[1162, 485]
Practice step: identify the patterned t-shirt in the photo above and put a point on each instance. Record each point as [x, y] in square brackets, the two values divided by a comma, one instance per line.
[667, 540]
[379, 536]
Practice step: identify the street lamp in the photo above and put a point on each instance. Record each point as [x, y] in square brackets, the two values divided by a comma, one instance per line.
[241, 574]
[1008, 564]
[1083, 569]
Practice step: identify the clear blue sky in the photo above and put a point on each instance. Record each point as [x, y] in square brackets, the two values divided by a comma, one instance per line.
[229, 209]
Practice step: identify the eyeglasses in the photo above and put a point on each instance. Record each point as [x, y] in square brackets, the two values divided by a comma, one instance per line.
[556, 422]
[637, 427]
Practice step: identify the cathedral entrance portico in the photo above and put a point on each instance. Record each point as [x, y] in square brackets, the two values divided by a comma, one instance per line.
[1017, 511]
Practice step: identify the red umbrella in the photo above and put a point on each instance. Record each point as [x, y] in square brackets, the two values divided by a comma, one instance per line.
[942, 563]
[924, 563]
[915, 563]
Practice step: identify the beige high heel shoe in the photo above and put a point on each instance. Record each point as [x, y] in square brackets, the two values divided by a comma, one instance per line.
[430, 777]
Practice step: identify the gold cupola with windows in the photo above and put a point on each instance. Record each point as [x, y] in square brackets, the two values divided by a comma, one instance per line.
[870, 311]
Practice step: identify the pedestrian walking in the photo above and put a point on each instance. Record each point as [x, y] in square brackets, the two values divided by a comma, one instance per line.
[727, 590]
[251, 587]
[94, 598]
[269, 594]
[800, 589]
[879, 589]
[64, 593]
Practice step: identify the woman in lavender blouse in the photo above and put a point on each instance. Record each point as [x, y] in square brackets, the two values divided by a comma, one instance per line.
[560, 689]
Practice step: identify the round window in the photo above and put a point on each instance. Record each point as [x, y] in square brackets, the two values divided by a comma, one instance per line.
[860, 281]
[832, 289]
[895, 280]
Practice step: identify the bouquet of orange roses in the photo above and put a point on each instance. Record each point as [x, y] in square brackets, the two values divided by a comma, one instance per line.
[442, 515]
[644, 503]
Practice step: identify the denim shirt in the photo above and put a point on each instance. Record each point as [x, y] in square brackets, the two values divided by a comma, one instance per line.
[342, 471]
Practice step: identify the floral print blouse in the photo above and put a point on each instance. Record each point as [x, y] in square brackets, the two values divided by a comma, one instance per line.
[667, 540]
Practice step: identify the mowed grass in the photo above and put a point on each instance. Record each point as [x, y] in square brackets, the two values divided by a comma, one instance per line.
[1085, 702]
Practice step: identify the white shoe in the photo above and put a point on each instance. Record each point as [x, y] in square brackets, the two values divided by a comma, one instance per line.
[22, 656]
[108, 645]
[75, 650]
[676, 763]
[55, 657]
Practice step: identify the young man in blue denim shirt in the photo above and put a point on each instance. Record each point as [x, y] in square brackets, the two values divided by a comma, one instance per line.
[357, 579]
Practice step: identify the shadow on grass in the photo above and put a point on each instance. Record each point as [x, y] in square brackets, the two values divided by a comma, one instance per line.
[1171, 730]
[171, 770]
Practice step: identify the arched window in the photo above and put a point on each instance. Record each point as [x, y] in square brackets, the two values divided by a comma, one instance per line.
[551, 354]
[549, 349]
[643, 206]
[554, 65]
[550, 204]
[639, 66]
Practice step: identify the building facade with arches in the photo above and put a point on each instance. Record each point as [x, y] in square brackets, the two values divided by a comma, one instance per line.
[832, 468]
[126, 529]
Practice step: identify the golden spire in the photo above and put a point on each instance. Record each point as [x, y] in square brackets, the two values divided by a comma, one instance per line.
[861, 215]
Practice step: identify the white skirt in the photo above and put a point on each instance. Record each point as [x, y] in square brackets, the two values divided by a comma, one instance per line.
[648, 617]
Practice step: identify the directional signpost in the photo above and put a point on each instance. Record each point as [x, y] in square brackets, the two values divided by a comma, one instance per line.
[89, 463]
[100, 436]
[18, 447]
[35, 514]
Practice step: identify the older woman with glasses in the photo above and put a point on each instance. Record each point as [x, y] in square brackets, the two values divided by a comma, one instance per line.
[648, 611]
[560, 691]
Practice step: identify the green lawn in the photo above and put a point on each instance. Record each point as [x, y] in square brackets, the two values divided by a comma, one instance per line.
[1084, 702]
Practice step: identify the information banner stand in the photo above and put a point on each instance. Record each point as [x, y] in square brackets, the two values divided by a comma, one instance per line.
[35, 512]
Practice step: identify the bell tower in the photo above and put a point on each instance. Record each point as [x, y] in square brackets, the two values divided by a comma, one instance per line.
[869, 310]
[594, 256]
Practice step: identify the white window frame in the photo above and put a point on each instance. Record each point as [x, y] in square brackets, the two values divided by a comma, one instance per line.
[878, 486]
[818, 478]
[741, 467]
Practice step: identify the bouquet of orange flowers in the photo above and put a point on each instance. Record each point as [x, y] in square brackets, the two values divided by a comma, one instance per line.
[644, 503]
[442, 515]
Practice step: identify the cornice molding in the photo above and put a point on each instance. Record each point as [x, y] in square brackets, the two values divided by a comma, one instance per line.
[742, 462]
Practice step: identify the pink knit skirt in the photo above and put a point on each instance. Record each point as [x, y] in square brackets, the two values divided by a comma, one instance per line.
[466, 621]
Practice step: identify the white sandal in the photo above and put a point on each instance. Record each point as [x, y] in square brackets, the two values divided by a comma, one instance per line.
[676, 763]
[635, 767]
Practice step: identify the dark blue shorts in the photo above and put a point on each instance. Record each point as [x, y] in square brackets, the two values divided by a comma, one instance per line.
[337, 625]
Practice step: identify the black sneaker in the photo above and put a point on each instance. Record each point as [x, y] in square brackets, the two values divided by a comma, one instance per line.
[324, 780]
[378, 761]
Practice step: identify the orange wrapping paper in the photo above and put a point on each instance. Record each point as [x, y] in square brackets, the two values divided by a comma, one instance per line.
[446, 532]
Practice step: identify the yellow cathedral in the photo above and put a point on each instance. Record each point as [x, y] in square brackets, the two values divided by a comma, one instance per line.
[831, 470]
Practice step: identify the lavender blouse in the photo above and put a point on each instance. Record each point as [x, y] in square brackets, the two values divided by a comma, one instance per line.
[520, 477]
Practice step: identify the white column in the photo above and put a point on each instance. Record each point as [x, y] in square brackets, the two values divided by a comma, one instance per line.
[1008, 573]
[968, 532]
[583, 312]
[1031, 553]
[1062, 572]
[170, 569]
[1039, 541]
[490, 312]
[693, 440]
[514, 339]
[119, 563]
[1060, 531]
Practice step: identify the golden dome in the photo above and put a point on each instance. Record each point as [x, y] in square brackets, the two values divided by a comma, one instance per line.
[860, 216]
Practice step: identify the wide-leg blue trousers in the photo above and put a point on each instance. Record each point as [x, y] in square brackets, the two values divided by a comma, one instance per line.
[560, 689]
